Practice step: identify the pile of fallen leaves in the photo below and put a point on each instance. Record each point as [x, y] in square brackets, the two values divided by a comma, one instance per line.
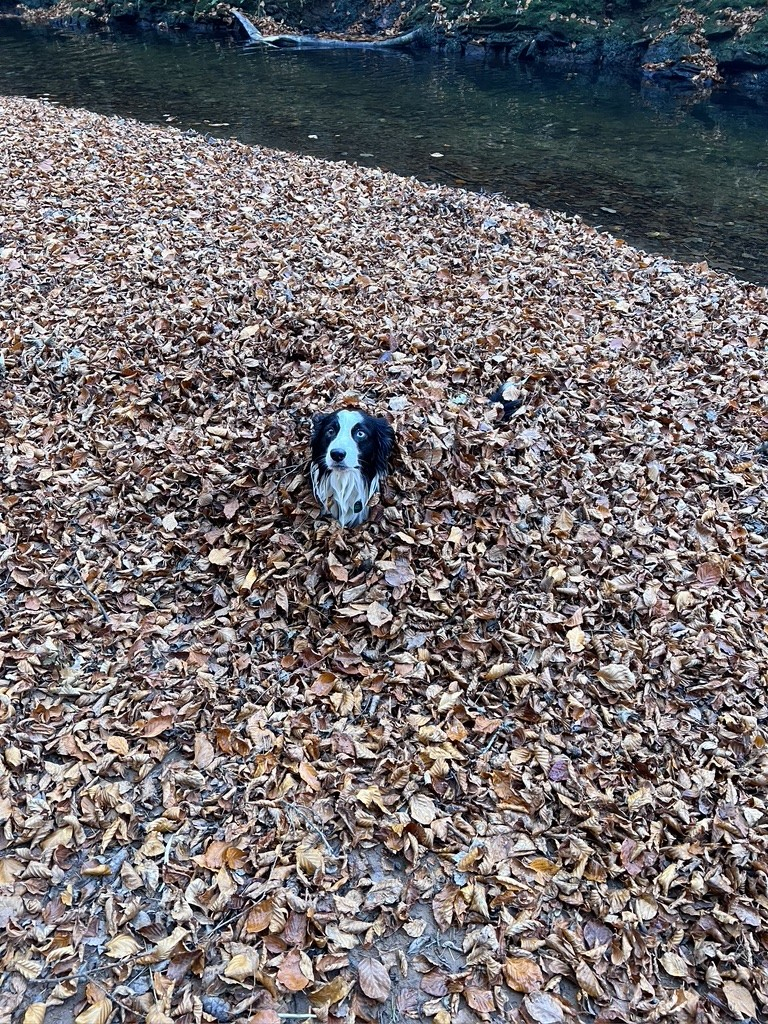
[499, 753]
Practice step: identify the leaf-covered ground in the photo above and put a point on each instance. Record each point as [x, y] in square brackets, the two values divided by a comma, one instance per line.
[500, 752]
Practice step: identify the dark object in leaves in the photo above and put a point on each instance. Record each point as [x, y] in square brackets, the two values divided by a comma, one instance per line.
[508, 407]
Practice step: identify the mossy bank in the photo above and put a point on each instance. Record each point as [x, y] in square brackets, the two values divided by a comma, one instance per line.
[685, 45]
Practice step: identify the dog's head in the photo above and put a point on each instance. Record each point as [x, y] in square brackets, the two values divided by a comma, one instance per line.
[351, 439]
[350, 456]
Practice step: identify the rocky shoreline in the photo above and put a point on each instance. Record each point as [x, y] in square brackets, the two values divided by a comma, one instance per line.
[697, 46]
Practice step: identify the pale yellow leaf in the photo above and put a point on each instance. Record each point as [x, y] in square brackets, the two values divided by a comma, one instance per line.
[34, 1014]
[121, 946]
[97, 1013]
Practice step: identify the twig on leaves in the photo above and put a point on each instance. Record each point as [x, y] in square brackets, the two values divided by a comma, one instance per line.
[91, 595]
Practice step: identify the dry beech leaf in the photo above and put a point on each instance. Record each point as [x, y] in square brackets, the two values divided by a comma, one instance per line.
[500, 669]
[378, 614]
[374, 979]
[522, 975]
[241, 967]
[34, 1014]
[577, 639]
[399, 575]
[618, 674]
[542, 1008]
[97, 1013]
[121, 946]
[740, 1000]
[164, 948]
[295, 972]
[156, 1015]
[480, 999]
[220, 556]
[331, 993]
[587, 979]
[422, 808]
[674, 964]
[709, 574]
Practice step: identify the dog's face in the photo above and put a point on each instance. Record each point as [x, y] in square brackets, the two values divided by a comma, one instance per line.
[350, 455]
[351, 439]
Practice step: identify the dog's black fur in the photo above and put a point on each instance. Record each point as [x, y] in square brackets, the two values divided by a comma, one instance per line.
[350, 457]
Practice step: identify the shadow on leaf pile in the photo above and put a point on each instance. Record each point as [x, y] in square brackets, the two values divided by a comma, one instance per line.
[502, 750]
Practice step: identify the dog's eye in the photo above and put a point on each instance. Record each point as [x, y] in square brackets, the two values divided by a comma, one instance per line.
[330, 430]
[359, 433]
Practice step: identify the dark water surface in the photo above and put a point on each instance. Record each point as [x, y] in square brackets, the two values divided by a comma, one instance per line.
[672, 173]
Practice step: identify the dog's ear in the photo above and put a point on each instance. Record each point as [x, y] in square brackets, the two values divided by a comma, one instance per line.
[319, 420]
[385, 445]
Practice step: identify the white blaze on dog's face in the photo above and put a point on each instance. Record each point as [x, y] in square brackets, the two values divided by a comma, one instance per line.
[343, 451]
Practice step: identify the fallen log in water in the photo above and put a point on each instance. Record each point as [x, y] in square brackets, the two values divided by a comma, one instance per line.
[414, 38]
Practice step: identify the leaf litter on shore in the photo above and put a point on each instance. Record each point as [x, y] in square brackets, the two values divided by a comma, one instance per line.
[498, 754]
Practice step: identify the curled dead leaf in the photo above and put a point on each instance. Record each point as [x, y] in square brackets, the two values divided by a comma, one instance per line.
[97, 1013]
[34, 1014]
[121, 946]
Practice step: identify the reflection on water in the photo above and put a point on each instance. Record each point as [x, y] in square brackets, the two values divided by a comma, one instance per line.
[674, 174]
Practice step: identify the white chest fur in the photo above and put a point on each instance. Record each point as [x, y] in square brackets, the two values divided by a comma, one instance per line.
[344, 494]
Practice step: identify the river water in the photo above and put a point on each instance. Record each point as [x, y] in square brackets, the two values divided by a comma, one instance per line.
[672, 173]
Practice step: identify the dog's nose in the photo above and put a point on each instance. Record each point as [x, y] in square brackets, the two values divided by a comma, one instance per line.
[338, 454]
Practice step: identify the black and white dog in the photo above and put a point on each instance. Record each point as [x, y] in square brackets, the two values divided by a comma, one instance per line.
[350, 458]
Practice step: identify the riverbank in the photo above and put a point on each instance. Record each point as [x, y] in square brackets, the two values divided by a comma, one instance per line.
[500, 751]
[692, 45]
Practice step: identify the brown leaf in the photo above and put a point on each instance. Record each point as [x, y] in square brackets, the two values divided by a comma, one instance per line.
[577, 639]
[480, 999]
[34, 1013]
[674, 964]
[295, 972]
[121, 946]
[620, 675]
[522, 974]
[242, 967]
[399, 575]
[157, 726]
[740, 1000]
[374, 979]
[331, 993]
[587, 979]
[709, 574]
[220, 556]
